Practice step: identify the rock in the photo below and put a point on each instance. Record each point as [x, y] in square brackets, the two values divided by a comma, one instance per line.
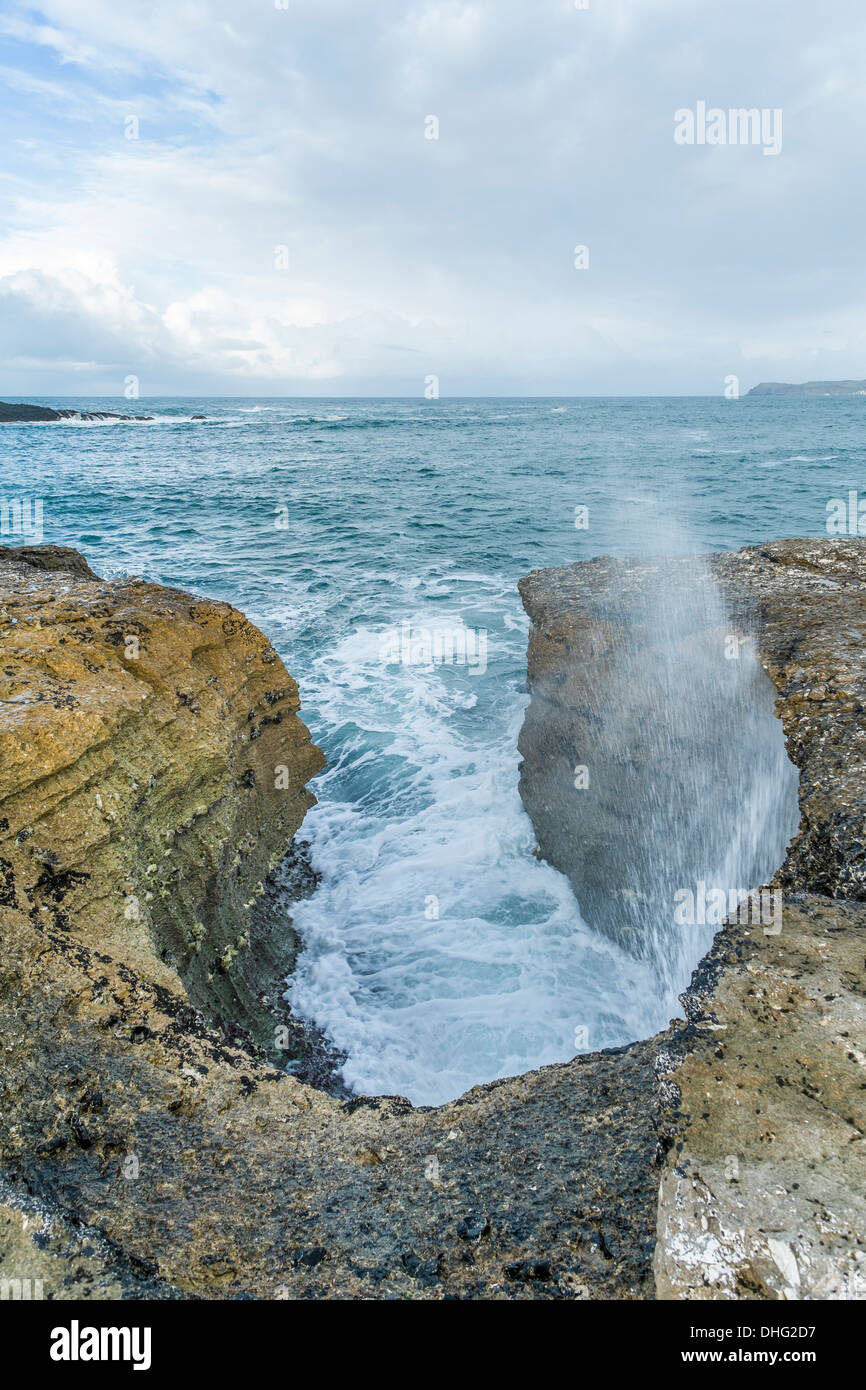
[16, 414]
[473, 1227]
[763, 1192]
[310, 1258]
[637, 717]
[47, 557]
[526, 1270]
[92, 672]
[762, 1090]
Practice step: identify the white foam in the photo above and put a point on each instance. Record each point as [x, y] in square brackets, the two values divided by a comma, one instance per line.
[428, 1006]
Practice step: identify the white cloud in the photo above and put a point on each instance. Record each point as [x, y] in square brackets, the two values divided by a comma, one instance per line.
[305, 129]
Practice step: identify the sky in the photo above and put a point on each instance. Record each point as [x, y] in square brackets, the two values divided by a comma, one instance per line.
[240, 198]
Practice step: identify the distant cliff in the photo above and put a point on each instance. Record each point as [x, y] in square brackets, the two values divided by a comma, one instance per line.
[809, 388]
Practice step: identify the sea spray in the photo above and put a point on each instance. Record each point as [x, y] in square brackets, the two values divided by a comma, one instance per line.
[682, 774]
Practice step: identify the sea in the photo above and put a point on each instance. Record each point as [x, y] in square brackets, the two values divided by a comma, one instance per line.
[378, 543]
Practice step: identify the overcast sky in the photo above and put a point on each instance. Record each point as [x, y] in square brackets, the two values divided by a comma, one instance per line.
[305, 128]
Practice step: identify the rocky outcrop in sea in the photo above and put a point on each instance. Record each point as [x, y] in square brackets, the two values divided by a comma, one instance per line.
[17, 413]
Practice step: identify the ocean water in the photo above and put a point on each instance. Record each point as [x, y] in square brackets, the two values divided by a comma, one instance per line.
[439, 951]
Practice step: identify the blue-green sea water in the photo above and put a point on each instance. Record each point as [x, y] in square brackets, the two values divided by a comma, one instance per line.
[439, 951]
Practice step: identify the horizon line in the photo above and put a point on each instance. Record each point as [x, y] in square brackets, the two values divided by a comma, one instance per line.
[357, 396]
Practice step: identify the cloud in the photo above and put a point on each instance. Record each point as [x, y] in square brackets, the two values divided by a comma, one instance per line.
[304, 129]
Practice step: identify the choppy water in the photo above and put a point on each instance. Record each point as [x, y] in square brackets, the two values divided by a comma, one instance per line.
[440, 952]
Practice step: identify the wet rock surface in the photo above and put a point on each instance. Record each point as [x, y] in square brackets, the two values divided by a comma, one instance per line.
[150, 1148]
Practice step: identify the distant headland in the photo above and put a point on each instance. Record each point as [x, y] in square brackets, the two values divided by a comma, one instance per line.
[809, 388]
[16, 414]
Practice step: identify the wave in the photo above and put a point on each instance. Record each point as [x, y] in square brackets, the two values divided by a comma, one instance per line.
[434, 957]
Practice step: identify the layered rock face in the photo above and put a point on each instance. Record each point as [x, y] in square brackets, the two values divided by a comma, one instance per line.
[153, 768]
[763, 1091]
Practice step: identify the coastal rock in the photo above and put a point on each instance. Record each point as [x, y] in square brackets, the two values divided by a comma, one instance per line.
[48, 557]
[154, 771]
[15, 413]
[643, 714]
[762, 1090]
